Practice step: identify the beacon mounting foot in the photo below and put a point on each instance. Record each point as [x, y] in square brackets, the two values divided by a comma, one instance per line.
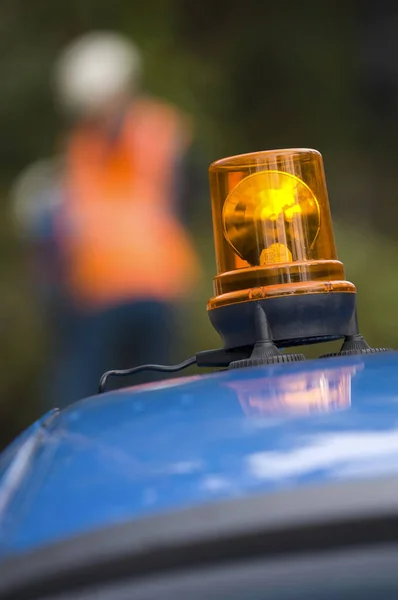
[355, 345]
[264, 352]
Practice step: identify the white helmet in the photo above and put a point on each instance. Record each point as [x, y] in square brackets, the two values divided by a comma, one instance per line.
[94, 70]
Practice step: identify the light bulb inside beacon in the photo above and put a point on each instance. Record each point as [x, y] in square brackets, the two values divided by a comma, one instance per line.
[271, 217]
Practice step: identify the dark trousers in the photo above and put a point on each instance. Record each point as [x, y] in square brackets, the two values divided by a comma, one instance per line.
[120, 337]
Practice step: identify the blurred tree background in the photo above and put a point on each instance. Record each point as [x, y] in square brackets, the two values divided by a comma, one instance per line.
[254, 76]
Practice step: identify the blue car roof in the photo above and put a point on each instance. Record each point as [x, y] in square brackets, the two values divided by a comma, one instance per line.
[197, 440]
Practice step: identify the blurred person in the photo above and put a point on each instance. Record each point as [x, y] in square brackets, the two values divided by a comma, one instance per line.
[36, 198]
[128, 258]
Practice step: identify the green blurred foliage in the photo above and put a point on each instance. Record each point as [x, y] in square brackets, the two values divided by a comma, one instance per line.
[253, 76]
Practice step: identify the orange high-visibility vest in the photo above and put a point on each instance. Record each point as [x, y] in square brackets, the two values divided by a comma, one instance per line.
[123, 240]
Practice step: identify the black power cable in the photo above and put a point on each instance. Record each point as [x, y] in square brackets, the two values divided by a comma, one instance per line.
[141, 368]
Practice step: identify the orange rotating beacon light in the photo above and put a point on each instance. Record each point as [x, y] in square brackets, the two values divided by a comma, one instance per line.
[279, 282]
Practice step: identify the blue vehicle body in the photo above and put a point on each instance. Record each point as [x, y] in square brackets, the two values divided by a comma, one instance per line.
[195, 441]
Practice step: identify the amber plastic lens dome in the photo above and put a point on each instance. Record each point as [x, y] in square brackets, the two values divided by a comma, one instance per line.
[272, 227]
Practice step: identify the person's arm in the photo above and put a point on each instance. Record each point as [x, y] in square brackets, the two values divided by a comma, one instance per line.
[190, 186]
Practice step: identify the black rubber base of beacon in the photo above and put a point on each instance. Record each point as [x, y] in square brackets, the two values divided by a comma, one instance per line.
[294, 320]
[253, 332]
